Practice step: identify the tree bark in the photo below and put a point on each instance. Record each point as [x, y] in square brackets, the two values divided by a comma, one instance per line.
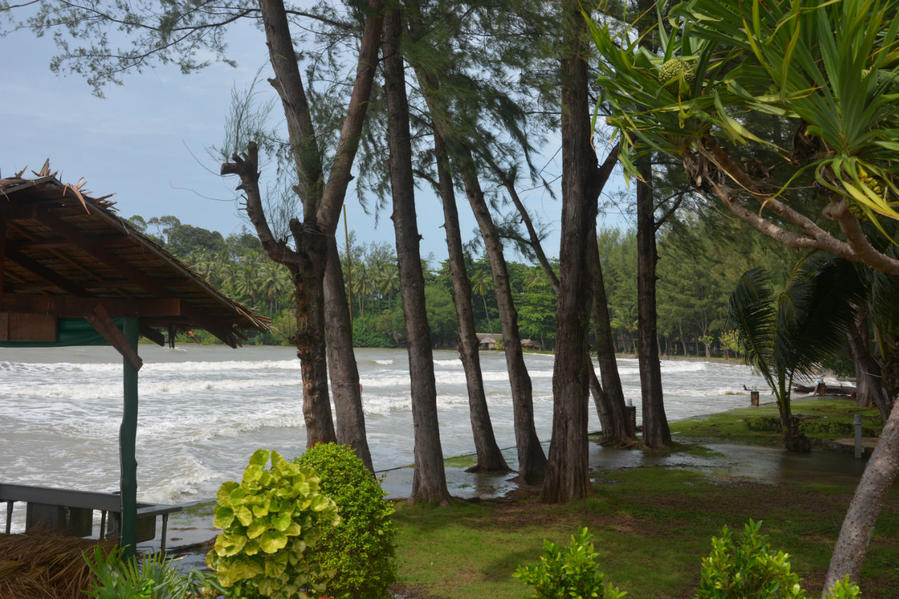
[531, 459]
[490, 458]
[429, 479]
[321, 203]
[621, 430]
[656, 433]
[342, 361]
[858, 525]
[568, 471]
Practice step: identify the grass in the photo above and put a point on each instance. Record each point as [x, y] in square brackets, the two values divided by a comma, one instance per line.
[651, 526]
[820, 419]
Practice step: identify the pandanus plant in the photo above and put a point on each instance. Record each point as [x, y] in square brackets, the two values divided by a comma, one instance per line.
[786, 335]
[714, 77]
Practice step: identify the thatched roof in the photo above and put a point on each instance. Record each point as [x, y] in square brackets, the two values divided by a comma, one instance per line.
[64, 253]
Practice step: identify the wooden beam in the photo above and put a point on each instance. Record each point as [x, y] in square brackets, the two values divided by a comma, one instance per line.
[74, 306]
[152, 334]
[2, 255]
[39, 328]
[103, 324]
[45, 273]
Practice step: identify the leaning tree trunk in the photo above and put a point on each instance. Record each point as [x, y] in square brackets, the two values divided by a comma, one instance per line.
[568, 471]
[531, 459]
[429, 478]
[490, 458]
[858, 525]
[656, 433]
[342, 361]
[621, 430]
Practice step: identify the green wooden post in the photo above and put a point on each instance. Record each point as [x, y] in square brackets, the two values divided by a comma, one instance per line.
[127, 437]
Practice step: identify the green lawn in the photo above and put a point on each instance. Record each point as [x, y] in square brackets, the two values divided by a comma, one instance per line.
[651, 525]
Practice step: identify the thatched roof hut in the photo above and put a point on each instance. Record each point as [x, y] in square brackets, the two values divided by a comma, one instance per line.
[72, 272]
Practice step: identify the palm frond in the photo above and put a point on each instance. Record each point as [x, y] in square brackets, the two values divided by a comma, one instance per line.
[751, 312]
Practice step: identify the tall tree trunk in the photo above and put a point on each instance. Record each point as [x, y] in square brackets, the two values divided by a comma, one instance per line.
[568, 472]
[656, 433]
[599, 178]
[600, 401]
[321, 201]
[429, 479]
[621, 430]
[855, 533]
[342, 361]
[531, 459]
[490, 458]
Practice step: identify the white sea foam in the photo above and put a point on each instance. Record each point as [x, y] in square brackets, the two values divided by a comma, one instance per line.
[203, 411]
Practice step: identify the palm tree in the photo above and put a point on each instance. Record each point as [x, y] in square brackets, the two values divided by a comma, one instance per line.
[787, 335]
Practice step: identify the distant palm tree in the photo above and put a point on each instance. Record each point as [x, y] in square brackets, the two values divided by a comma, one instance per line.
[787, 335]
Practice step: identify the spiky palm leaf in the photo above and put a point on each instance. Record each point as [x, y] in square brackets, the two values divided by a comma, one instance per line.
[830, 66]
[792, 333]
[751, 310]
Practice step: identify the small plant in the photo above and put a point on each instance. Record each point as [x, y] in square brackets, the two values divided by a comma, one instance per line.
[271, 522]
[844, 589]
[152, 577]
[360, 550]
[569, 574]
[747, 569]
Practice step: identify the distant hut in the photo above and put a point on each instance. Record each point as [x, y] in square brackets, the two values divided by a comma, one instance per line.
[530, 344]
[487, 341]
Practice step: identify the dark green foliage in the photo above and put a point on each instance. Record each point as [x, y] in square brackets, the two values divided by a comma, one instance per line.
[154, 576]
[360, 550]
[569, 574]
[786, 335]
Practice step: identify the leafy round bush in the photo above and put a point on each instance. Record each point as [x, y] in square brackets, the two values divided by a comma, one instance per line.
[572, 572]
[360, 550]
[271, 524]
[747, 569]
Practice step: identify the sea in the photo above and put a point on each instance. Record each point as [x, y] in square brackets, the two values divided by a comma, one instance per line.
[205, 409]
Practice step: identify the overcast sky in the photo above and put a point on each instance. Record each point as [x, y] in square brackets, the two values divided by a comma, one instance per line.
[147, 142]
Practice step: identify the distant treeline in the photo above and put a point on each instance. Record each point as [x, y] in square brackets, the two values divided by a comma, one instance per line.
[700, 260]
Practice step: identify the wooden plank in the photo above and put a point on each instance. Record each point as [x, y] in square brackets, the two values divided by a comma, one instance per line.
[32, 327]
[68, 306]
[4, 326]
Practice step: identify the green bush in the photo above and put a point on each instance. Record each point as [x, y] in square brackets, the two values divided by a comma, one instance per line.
[572, 574]
[747, 569]
[360, 550]
[844, 589]
[271, 522]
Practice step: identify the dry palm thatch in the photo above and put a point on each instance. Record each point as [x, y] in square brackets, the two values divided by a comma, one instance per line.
[45, 567]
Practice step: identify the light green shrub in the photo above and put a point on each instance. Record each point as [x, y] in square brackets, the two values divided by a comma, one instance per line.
[844, 589]
[747, 569]
[360, 550]
[271, 522]
[569, 574]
